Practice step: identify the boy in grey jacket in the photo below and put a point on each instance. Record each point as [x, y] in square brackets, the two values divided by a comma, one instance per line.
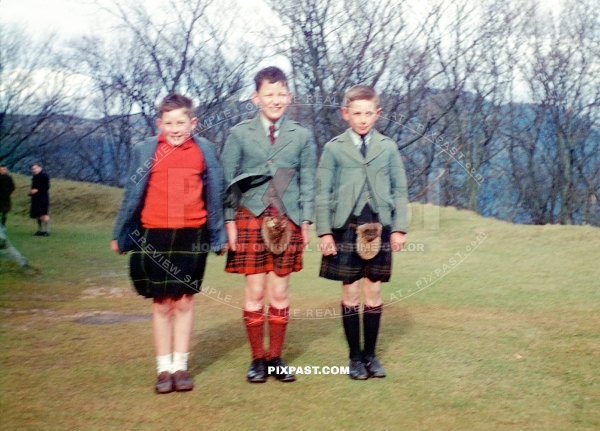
[361, 207]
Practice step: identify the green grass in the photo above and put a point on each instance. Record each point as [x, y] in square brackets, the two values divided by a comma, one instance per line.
[509, 338]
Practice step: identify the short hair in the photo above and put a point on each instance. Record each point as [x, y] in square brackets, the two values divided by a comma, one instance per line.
[176, 101]
[36, 164]
[272, 74]
[361, 92]
[2, 166]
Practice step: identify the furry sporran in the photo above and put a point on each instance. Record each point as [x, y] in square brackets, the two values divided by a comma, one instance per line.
[368, 240]
[276, 233]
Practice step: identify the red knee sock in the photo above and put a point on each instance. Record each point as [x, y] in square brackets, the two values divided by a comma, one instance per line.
[254, 321]
[278, 320]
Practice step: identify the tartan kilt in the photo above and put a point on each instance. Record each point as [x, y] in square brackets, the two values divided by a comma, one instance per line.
[347, 266]
[169, 262]
[252, 256]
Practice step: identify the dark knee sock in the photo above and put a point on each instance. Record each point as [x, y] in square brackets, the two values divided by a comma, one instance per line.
[278, 320]
[254, 321]
[351, 322]
[371, 320]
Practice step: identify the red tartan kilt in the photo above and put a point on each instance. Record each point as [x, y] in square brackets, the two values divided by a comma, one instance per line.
[252, 256]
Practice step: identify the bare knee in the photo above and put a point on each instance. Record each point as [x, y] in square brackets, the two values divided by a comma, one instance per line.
[277, 287]
[254, 291]
[185, 303]
[351, 294]
[163, 306]
[372, 290]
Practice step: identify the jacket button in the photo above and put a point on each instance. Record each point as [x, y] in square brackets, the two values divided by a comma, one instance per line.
[269, 162]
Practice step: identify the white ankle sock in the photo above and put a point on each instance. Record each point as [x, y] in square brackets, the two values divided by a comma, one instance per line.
[163, 363]
[180, 361]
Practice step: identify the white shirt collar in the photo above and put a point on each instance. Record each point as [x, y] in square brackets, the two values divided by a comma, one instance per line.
[267, 123]
[357, 140]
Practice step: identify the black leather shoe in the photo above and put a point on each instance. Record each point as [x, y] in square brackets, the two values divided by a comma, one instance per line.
[373, 366]
[38, 233]
[281, 371]
[164, 383]
[358, 370]
[257, 373]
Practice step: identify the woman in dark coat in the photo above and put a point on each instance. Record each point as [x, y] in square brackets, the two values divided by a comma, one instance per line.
[40, 199]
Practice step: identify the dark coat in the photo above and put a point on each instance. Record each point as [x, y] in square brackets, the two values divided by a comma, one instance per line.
[41, 200]
[7, 186]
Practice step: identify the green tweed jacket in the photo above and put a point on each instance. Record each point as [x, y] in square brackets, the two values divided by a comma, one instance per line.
[287, 166]
[343, 171]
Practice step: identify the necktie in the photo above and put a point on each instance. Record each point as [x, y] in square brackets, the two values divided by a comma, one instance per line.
[272, 133]
[363, 147]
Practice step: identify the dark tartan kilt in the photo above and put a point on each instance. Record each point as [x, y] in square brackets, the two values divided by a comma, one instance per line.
[347, 266]
[169, 262]
[252, 256]
[39, 205]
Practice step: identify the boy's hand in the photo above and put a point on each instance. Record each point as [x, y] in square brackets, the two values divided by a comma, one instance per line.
[33, 191]
[397, 241]
[231, 235]
[305, 233]
[114, 246]
[327, 245]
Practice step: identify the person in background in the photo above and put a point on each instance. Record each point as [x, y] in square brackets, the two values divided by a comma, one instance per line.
[40, 199]
[7, 186]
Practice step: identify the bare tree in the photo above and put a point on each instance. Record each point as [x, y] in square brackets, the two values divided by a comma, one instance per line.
[33, 95]
[563, 80]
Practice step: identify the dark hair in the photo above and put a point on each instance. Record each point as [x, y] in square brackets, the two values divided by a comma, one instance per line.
[361, 92]
[2, 165]
[272, 74]
[36, 164]
[176, 101]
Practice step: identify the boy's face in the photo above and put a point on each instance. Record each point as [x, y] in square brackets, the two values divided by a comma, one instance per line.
[272, 99]
[3, 170]
[176, 126]
[361, 115]
[36, 169]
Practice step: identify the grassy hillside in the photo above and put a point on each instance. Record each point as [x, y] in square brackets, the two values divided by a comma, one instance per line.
[486, 326]
[70, 201]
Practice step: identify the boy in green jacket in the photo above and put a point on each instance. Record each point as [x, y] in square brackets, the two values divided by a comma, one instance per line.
[361, 214]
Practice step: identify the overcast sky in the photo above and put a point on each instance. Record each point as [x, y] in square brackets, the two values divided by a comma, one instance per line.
[72, 18]
[67, 17]
[79, 17]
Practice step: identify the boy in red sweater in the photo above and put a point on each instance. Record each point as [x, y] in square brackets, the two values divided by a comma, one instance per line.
[170, 217]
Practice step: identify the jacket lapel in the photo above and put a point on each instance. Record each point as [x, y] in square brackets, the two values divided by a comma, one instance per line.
[258, 136]
[148, 152]
[284, 138]
[350, 148]
[374, 148]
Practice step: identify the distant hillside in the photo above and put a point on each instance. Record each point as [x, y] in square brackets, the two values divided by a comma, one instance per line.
[71, 200]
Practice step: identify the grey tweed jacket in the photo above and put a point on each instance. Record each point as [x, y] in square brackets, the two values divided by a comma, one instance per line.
[255, 169]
